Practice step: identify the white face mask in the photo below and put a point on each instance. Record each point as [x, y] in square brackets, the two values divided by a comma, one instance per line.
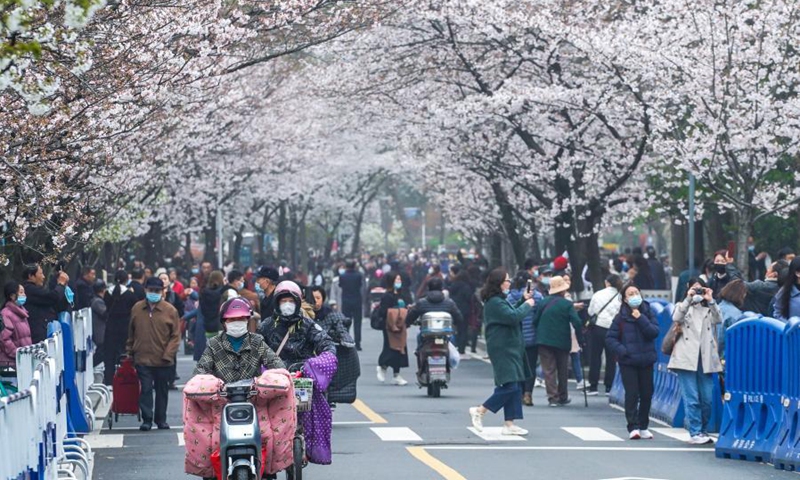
[236, 329]
[287, 309]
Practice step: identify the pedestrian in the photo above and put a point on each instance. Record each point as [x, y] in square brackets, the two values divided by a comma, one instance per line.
[119, 304]
[528, 332]
[603, 307]
[552, 322]
[656, 269]
[731, 299]
[392, 311]
[723, 272]
[640, 273]
[266, 281]
[787, 300]
[16, 331]
[506, 348]
[695, 357]
[632, 339]
[153, 341]
[172, 297]
[137, 283]
[462, 293]
[99, 321]
[237, 280]
[43, 304]
[175, 283]
[84, 288]
[352, 284]
[434, 271]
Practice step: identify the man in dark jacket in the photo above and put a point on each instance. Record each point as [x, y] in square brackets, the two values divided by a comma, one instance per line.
[43, 304]
[266, 281]
[84, 288]
[462, 293]
[137, 283]
[352, 284]
[434, 301]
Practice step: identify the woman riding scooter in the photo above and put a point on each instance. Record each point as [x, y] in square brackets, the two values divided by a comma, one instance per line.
[299, 340]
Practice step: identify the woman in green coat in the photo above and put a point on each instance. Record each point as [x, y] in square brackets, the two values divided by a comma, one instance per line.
[506, 348]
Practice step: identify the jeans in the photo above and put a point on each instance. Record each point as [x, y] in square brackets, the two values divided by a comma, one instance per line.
[577, 368]
[508, 397]
[697, 389]
[532, 354]
[154, 378]
[638, 382]
[556, 372]
[356, 312]
[597, 345]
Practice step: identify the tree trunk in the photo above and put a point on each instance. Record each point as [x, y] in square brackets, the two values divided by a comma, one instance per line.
[354, 251]
[238, 237]
[496, 251]
[304, 243]
[293, 238]
[744, 223]
[442, 228]
[509, 223]
[282, 227]
[211, 241]
[534, 251]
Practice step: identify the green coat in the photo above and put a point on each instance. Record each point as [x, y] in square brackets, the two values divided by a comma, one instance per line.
[552, 325]
[504, 342]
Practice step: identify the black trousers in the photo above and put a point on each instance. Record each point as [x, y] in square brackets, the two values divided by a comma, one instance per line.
[555, 367]
[597, 345]
[462, 336]
[154, 378]
[356, 312]
[532, 353]
[638, 382]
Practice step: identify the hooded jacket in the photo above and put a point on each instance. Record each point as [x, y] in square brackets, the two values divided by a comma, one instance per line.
[16, 334]
[307, 338]
[434, 301]
[633, 339]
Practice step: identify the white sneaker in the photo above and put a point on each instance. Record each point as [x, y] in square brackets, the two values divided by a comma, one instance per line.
[582, 385]
[538, 383]
[398, 380]
[477, 418]
[635, 435]
[513, 430]
[381, 374]
[646, 434]
[699, 440]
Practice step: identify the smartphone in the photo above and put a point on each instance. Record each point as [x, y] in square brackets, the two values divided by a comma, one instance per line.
[731, 249]
[530, 285]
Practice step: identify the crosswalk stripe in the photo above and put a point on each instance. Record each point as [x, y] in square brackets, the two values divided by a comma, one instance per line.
[492, 434]
[105, 441]
[396, 434]
[592, 434]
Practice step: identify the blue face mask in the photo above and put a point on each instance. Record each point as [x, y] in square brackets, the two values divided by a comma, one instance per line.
[341, 272]
[635, 301]
[258, 288]
[751, 248]
[153, 297]
[398, 285]
[70, 295]
[21, 300]
[536, 274]
[546, 281]
[195, 271]
[506, 291]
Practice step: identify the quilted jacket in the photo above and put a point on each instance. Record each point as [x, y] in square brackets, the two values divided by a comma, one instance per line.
[220, 359]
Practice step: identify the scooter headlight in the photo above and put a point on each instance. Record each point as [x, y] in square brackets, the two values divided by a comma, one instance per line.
[240, 414]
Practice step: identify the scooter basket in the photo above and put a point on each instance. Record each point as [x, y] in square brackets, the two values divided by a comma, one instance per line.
[303, 393]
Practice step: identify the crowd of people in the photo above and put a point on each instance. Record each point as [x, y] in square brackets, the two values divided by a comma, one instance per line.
[531, 321]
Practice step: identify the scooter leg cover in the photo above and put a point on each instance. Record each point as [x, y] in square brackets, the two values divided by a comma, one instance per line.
[202, 411]
[277, 418]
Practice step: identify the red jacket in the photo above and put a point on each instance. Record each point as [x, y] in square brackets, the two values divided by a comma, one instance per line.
[16, 334]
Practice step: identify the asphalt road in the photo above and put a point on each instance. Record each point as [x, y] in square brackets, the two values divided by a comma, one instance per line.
[398, 433]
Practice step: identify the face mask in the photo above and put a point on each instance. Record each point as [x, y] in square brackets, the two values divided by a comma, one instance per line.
[635, 301]
[506, 291]
[21, 300]
[697, 298]
[341, 272]
[545, 280]
[258, 288]
[398, 285]
[536, 274]
[70, 295]
[287, 309]
[240, 287]
[195, 271]
[719, 268]
[153, 297]
[430, 271]
[751, 248]
[236, 329]
[128, 284]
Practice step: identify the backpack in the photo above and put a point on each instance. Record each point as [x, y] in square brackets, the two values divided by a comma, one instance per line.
[209, 307]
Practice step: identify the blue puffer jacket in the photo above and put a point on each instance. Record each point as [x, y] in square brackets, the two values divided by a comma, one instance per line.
[633, 340]
[528, 331]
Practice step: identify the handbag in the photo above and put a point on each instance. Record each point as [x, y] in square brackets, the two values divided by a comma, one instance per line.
[671, 338]
[593, 318]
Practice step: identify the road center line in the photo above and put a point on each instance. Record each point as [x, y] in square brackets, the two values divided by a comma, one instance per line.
[368, 412]
[446, 472]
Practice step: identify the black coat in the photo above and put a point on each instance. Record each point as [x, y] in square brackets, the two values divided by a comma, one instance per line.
[307, 340]
[632, 339]
[118, 310]
[351, 282]
[267, 306]
[83, 294]
[138, 290]
[43, 306]
[461, 293]
[434, 301]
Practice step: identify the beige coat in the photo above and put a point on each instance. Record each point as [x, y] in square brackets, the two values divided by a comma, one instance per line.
[698, 339]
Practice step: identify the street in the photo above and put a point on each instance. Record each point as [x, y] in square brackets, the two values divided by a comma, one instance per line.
[398, 433]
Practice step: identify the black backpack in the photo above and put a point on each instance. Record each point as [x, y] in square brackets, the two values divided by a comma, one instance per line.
[209, 306]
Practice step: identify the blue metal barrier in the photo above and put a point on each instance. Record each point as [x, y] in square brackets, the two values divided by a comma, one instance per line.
[75, 401]
[787, 453]
[752, 413]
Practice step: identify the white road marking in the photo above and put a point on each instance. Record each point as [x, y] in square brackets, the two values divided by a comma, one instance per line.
[592, 434]
[104, 441]
[676, 433]
[492, 434]
[360, 422]
[396, 434]
[585, 449]
[181, 440]
[126, 429]
[652, 420]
